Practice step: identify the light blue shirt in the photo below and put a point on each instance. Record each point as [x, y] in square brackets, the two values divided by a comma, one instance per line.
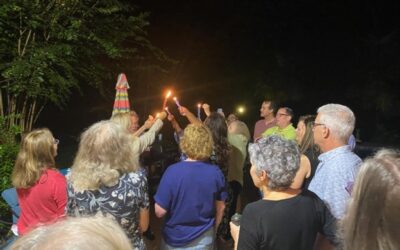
[337, 169]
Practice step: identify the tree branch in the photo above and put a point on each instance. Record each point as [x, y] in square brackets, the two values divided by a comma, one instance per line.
[26, 42]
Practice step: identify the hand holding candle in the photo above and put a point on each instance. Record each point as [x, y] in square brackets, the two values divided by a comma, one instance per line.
[166, 98]
[166, 110]
[198, 111]
[161, 115]
[177, 102]
[206, 108]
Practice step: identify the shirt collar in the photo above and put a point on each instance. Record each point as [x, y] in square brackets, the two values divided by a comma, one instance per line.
[285, 128]
[334, 152]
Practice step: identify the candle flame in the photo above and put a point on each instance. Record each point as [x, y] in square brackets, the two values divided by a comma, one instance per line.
[175, 98]
[168, 94]
[199, 105]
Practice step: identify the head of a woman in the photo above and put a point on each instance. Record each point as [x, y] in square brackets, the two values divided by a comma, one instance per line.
[83, 233]
[197, 142]
[304, 133]
[372, 219]
[37, 151]
[105, 151]
[278, 158]
[217, 125]
[219, 131]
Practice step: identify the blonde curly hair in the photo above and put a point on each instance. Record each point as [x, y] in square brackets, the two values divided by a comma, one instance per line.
[197, 142]
[105, 152]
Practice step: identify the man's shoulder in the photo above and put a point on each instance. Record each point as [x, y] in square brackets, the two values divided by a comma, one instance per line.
[259, 123]
[348, 158]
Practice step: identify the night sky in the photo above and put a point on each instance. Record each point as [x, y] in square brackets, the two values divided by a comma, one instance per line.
[302, 54]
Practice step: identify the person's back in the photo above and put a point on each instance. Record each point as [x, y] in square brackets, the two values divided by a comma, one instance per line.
[191, 194]
[105, 178]
[195, 186]
[286, 224]
[43, 202]
[40, 187]
[122, 201]
[286, 217]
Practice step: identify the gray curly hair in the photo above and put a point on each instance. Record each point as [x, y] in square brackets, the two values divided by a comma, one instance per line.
[278, 157]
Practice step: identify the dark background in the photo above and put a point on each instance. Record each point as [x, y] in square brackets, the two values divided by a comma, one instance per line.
[300, 53]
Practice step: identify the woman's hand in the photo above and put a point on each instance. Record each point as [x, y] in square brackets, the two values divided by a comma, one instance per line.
[149, 122]
[183, 110]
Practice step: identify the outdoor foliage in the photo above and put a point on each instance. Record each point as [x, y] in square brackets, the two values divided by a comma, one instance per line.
[8, 152]
[47, 48]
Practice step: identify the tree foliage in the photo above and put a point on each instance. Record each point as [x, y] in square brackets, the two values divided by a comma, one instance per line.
[8, 152]
[48, 48]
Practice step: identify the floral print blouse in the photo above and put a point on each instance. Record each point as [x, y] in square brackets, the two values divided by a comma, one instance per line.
[121, 202]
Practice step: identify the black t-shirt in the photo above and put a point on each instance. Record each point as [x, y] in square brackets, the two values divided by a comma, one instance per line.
[286, 224]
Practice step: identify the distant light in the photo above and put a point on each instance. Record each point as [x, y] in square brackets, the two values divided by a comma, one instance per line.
[241, 109]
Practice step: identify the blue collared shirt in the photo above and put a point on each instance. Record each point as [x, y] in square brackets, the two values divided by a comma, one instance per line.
[337, 169]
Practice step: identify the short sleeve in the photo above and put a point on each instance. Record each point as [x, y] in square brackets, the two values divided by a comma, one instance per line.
[163, 197]
[248, 237]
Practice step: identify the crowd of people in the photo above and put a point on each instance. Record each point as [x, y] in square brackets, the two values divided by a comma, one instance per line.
[315, 192]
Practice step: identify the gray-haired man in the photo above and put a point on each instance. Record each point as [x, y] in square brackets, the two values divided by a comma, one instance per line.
[338, 164]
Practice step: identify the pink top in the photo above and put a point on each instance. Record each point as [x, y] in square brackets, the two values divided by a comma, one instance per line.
[261, 126]
[42, 203]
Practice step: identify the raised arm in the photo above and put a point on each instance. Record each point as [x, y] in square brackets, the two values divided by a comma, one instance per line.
[147, 125]
[175, 125]
[206, 109]
[189, 115]
[148, 138]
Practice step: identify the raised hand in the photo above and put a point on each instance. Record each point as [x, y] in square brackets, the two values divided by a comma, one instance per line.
[206, 109]
[170, 117]
[149, 122]
[183, 110]
[162, 115]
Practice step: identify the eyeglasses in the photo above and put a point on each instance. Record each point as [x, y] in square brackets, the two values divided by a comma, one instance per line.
[316, 124]
[56, 141]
